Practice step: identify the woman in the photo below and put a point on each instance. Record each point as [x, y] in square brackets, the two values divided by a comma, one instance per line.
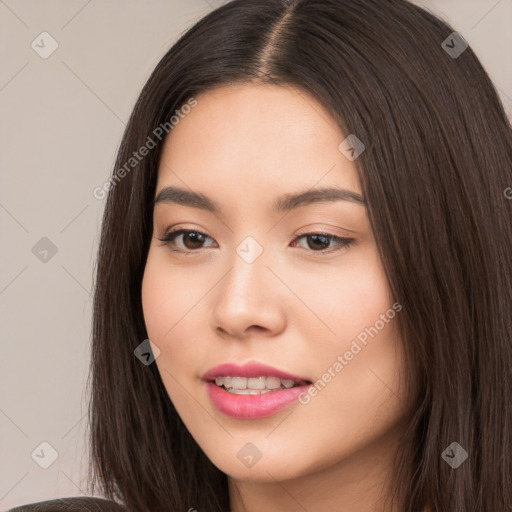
[303, 287]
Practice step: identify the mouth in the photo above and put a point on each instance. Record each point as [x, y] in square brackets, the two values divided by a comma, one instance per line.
[254, 390]
[255, 385]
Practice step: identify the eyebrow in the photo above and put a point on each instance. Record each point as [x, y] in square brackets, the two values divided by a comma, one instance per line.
[284, 203]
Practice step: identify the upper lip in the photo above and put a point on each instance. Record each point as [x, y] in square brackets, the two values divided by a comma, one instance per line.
[251, 369]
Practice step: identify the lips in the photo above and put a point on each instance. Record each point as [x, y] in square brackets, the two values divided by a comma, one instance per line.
[249, 399]
[252, 369]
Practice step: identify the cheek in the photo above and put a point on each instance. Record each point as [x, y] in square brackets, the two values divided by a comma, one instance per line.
[168, 295]
[164, 309]
[156, 302]
[367, 299]
[172, 302]
[357, 306]
[347, 299]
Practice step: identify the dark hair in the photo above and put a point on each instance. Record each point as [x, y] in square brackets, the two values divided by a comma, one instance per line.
[438, 158]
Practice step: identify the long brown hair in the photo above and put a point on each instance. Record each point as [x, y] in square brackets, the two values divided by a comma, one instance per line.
[437, 161]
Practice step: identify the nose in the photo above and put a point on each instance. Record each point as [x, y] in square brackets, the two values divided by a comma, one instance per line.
[249, 301]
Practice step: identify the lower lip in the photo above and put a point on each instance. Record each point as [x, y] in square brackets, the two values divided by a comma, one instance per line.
[253, 406]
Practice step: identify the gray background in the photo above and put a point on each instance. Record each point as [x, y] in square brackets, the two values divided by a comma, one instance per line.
[61, 122]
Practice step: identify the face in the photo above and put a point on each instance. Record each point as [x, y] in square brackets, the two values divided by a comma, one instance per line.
[299, 288]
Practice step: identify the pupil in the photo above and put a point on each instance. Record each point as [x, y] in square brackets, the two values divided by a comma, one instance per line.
[196, 240]
[324, 241]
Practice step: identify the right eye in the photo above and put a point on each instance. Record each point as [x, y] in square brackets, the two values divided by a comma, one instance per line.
[191, 239]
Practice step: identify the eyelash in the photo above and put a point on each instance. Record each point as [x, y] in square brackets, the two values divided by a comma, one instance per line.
[170, 236]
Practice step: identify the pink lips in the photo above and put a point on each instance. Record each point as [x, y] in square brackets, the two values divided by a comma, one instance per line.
[252, 406]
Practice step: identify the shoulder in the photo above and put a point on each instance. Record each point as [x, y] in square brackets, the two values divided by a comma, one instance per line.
[74, 504]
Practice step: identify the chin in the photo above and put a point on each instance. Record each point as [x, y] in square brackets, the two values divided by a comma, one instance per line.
[279, 467]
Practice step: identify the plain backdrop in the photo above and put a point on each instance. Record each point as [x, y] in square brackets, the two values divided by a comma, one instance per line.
[61, 121]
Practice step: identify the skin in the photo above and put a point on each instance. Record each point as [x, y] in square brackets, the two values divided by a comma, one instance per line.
[293, 308]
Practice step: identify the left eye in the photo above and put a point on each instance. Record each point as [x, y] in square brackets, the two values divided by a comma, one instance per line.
[314, 240]
[193, 240]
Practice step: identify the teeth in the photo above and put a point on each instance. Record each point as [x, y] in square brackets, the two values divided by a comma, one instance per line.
[253, 385]
[239, 383]
[255, 382]
[272, 383]
[248, 391]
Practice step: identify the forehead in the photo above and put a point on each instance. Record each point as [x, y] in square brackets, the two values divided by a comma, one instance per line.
[261, 135]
